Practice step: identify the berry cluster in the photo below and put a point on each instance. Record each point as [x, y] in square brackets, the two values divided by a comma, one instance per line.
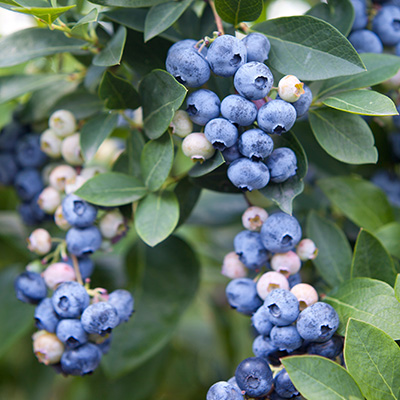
[75, 322]
[241, 124]
[285, 313]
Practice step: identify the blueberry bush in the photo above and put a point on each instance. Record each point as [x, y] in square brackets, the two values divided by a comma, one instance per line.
[145, 143]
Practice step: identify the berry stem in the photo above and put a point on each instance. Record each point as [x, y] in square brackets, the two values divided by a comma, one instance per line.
[76, 269]
[218, 20]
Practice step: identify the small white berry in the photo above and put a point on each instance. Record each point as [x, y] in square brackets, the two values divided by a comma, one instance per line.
[232, 267]
[181, 124]
[39, 241]
[49, 199]
[63, 123]
[71, 149]
[286, 263]
[253, 218]
[58, 273]
[50, 143]
[112, 224]
[306, 295]
[59, 176]
[197, 147]
[269, 281]
[290, 88]
[307, 250]
[47, 347]
[59, 219]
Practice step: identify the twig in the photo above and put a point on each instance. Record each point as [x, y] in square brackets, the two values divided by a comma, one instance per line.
[218, 20]
[76, 269]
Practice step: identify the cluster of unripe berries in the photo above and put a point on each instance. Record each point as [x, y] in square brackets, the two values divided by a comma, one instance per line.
[241, 124]
[285, 313]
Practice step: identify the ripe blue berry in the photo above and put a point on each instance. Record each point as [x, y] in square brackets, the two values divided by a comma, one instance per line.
[242, 295]
[202, 106]
[83, 241]
[28, 183]
[284, 385]
[28, 153]
[249, 248]
[263, 347]
[257, 46]
[276, 116]
[78, 212]
[70, 299]
[224, 391]
[282, 164]
[303, 103]
[187, 44]
[286, 338]
[221, 133]
[282, 306]
[100, 318]
[261, 321]
[329, 349]
[255, 144]
[123, 302]
[231, 154]
[366, 41]
[71, 333]
[248, 175]
[82, 360]
[86, 266]
[238, 110]
[30, 287]
[45, 316]
[387, 26]
[360, 14]
[8, 169]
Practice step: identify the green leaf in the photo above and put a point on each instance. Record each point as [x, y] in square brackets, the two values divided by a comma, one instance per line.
[162, 16]
[389, 235]
[161, 96]
[112, 53]
[309, 48]
[156, 217]
[95, 131]
[117, 93]
[207, 166]
[80, 27]
[361, 201]
[128, 3]
[112, 189]
[343, 136]
[284, 193]
[236, 11]
[333, 261]
[16, 317]
[187, 195]
[46, 14]
[319, 378]
[156, 161]
[169, 283]
[131, 18]
[397, 287]
[373, 359]
[12, 86]
[339, 13]
[364, 102]
[368, 300]
[380, 67]
[372, 260]
[31, 43]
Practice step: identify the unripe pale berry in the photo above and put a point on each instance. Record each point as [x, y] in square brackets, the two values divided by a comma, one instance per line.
[49, 199]
[286, 263]
[58, 273]
[71, 149]
[109, 151]
[269, 281]
[50, 143]
[290, 88]
[90, 172]
[47, 347]
[39, 241]
[307, 250]
[73, 184]
[63, 123]
[59, 219]
[197, 147]
[232, 267]
[112, 224]
[59, 176]
[181, 124]
[306, 295]
[253, 218]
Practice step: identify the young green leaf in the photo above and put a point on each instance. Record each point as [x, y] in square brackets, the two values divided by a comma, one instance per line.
[361, 201]
[161, 96]
[156, 217]
[156, 161]
[46, 14]
[368, 300]
[207, 166]
[372, 359]
[309, 48]
[389, 235]
[236, 11]
[333, 261]
[112, 53]
[319, 378]
[112, 189]
[371, 259]
[343, 136]
[95, 131]
[80, 28]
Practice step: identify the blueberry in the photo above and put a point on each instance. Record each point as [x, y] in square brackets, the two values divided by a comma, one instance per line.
[286, 338]
[221, 133]
[396, 118]
[255, 144]
[386, 25]
[8, 169]
[282, 306]
[25, 211]
[224, 391]
[10, 134]
[202, 106]
[253, 376]
[28, 152]
[36, 211]
[261, 321]
[329, 349]
[232, 381]
[105, 345]
[30, 287]
[83, 241]
[238, 110]
[187, 44]
[226, 55]
[188, 67]
[318, 322]
[282, 164]
[280, 232]
[82, 360]
[86, 266]
[123, 302]
[263, 347]
[249, 248]
[71, 333]
[45, 316]
[397, 49]
[360, 15]
[248, 175]
[257, 46]
[294, 280]
[231, 153]
[242, 295]
[100, 318]
[394, 140]
[276, 116]
[28, 183]
[303, 103]
[284, 385]
[70, 299]
[365, 41]
[78, 212]
[253, 80]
